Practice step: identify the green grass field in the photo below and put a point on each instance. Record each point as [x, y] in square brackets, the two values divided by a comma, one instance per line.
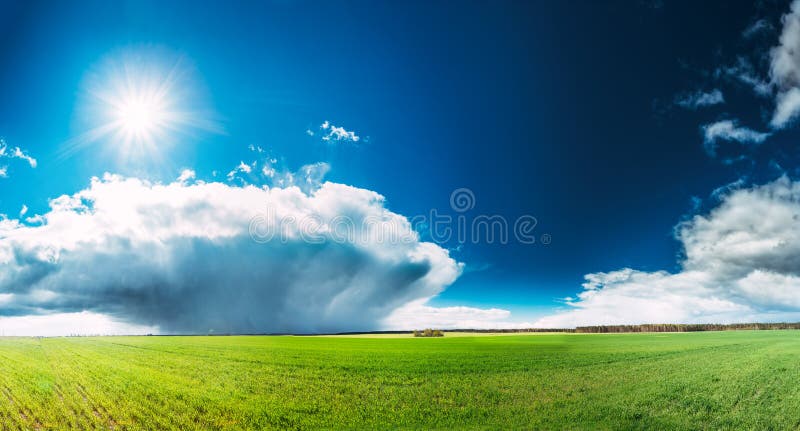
[710, 380]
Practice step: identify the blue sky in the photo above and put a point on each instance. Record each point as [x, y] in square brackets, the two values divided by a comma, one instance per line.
[610, 122]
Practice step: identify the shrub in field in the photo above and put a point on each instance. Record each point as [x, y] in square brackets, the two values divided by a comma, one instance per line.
[429, 333]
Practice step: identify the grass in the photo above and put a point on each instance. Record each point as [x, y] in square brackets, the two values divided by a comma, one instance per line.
[708, 380]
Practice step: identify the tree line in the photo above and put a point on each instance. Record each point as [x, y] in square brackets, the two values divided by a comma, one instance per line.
[649, 327]
[682, 327]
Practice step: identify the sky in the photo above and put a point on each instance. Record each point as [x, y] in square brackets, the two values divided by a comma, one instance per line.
[291, 166]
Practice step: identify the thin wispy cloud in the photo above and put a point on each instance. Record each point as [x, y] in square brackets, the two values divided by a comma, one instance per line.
[700, 99]
[7, 152]
[729, 130]
[241, 168]
[742, 71]
[758, 27]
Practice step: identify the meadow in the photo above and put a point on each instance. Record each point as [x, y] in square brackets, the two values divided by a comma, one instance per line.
[705, 380]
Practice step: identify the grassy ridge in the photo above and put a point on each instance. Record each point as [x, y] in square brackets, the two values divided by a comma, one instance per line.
[711, 380]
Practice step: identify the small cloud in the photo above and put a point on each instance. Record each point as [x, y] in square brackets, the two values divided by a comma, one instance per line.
[729, 130]
[477, 267]
[13, 153]
[699, 99]
[721, 192]
[744, 72]
[19, 154]
[242, 168]
[787, 106]
[268, 171]
[309, 132]
[36, 219]
[23, 211]
[333, 133]
[756, 28]
[186, 175]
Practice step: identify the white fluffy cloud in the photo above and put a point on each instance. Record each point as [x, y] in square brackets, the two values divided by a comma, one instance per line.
[785, 69]
[729, 130]
[742, 263]
[191, 256]
[333, 133]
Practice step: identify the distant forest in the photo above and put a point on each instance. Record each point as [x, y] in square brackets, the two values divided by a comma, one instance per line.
[659, 327]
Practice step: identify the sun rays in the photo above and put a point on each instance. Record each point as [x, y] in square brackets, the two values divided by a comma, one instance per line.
[136, 103]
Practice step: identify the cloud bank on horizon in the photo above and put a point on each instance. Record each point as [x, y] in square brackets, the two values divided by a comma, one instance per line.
[741, 264]
[131, 256]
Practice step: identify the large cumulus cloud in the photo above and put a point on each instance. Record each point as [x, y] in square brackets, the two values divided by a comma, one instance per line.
[741, 263]
[193, 257]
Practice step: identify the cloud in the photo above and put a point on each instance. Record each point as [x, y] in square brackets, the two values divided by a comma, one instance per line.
[756, 28]
[186, 176]
[191, 256]
[699, 99]
[729, 130]
[242, 168]
[82, 323]
[273, 174]
[785, 69]
[744, 72]
[787, 107]
[742, 263]
[333, 133]
[417, 315]
[19, 154]
[7, 152]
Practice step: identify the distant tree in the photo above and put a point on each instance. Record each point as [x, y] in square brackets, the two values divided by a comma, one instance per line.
[428, 332]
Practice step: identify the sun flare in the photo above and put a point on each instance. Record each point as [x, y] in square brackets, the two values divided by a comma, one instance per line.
[142, 117]
[139, 117]
[137, 105]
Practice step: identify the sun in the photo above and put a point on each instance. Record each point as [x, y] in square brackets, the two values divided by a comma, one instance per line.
[140, 118]
[138, 104]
